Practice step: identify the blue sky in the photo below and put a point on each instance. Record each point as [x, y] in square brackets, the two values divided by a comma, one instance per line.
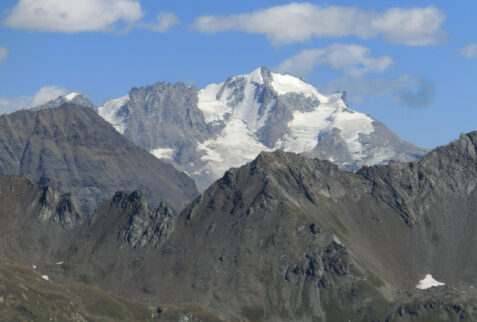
[409, 64]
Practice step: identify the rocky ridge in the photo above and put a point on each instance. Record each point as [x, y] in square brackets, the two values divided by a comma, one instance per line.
[281, 238]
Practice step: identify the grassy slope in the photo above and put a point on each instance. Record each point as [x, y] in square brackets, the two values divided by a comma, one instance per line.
[26, 296]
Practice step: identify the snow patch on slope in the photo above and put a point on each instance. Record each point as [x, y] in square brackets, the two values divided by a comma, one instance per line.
[248, 108]
[71, 96]
[109, 112]
[305, 127]
[163, 153]
[428, 282]
[352, 124]
[284, 84]
[234, 147]
[218, 102]
[213, 109]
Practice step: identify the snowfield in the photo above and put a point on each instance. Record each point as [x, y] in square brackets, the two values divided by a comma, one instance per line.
[238, 142]
[428, 282]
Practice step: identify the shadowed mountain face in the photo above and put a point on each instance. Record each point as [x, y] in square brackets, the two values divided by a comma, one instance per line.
[281, 238]
[74, 150]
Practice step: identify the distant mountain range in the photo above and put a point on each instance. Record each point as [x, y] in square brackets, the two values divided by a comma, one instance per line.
[206, 132]
[282, 238]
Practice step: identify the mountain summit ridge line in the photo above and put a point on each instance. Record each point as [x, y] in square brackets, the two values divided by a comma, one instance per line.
[205, 132]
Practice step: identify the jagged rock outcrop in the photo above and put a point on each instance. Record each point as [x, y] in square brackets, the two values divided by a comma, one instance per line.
[75, 151]
[144, 227]
[436, 304]
[40, 227]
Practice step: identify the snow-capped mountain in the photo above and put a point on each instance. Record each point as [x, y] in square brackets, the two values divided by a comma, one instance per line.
[73, 98]
[205, 132]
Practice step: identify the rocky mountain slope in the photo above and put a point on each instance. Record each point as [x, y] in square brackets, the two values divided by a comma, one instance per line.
[106, 248]
[281, 238]
[206, 132]
[74, 150]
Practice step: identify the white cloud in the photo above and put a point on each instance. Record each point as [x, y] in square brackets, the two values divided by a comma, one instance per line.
[72, 16]
[469, 51]
[4, 52]
[297, 22]
[8, 105]
[409, 90]
[413, 27]
[45, 94]
[164, 21]
[354, 59]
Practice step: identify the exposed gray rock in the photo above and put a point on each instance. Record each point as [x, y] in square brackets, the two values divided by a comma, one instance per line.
[144, 227]
[164, 115]
[436, 304]
[67, 214]
[336, 259]
[60, 208]
[75, 151]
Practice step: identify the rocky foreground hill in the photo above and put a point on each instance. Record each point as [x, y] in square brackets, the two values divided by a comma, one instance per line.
[282, 238]
[72, 149]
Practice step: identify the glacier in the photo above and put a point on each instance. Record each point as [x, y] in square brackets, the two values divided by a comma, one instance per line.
[245, 115]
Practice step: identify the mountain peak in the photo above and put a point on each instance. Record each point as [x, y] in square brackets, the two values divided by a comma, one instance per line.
[205, 132]
[73, 98]
[282, 84]
[261, 75]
